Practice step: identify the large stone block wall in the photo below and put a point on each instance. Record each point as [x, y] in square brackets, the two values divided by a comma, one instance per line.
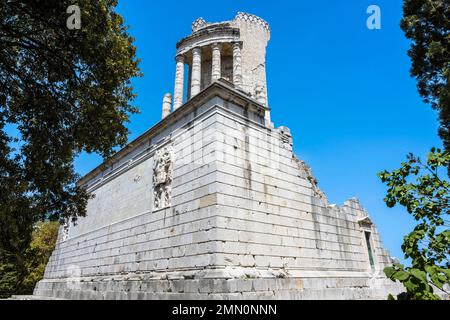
[245, 221]
[269, 215]
[148, 286]
[124, 233]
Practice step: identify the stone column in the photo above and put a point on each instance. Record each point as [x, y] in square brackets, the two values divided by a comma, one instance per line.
[237, 65]
[267, 119]
[179, 83]
[196, 72]
[216, 62]
[167, 102]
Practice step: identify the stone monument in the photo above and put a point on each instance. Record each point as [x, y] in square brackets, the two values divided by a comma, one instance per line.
[212, 203]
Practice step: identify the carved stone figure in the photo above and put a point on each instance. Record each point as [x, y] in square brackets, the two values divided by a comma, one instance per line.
[66, 228]
[162, 177]
[67, 223]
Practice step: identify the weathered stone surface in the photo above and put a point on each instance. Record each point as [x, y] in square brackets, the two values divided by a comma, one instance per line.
[196, 73]
[237, 65]
[211, 203]
[167, 105]
[216, 71]
[162, 177]
[179, 82]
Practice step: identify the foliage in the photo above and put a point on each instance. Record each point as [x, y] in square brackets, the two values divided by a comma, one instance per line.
[425, 192]
[37, 255]
[62, 92]
[427, 25]
[20, 277]
[16, 220]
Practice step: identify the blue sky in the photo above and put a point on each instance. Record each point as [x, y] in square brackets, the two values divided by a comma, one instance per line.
[344, 90]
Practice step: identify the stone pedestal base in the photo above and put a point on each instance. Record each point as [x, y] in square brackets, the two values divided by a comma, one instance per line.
[274, 285]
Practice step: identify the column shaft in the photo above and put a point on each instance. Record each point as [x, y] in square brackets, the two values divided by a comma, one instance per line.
[216, 72]
[179, 83]
[196, 71]
[237, 65]
[167, 102]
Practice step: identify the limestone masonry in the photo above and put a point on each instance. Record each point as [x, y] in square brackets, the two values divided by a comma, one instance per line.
[211, 202]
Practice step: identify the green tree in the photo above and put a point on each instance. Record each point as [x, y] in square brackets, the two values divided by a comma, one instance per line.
[62, 92]
[427, 24]
[425, 192]
[16, 221]
[41, 247]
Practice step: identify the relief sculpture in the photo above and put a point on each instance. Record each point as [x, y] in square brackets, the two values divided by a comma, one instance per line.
[162, 178]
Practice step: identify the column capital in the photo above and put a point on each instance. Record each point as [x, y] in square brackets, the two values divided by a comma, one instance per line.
[217, 45]
[197, 50]
[179, 58]
[237, 44]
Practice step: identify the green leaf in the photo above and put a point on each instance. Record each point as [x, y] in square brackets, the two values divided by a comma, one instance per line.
[401, 275]
[446, 272]
[411, 286]
[430, 270]
[419, 274]
[389, 271]
[436, 281]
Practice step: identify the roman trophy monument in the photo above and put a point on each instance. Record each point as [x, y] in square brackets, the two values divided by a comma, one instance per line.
[211, 202]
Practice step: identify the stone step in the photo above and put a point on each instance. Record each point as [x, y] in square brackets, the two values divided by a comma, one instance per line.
[30, 297]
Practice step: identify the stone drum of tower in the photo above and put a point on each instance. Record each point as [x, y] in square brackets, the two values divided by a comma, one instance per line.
[232, 50]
